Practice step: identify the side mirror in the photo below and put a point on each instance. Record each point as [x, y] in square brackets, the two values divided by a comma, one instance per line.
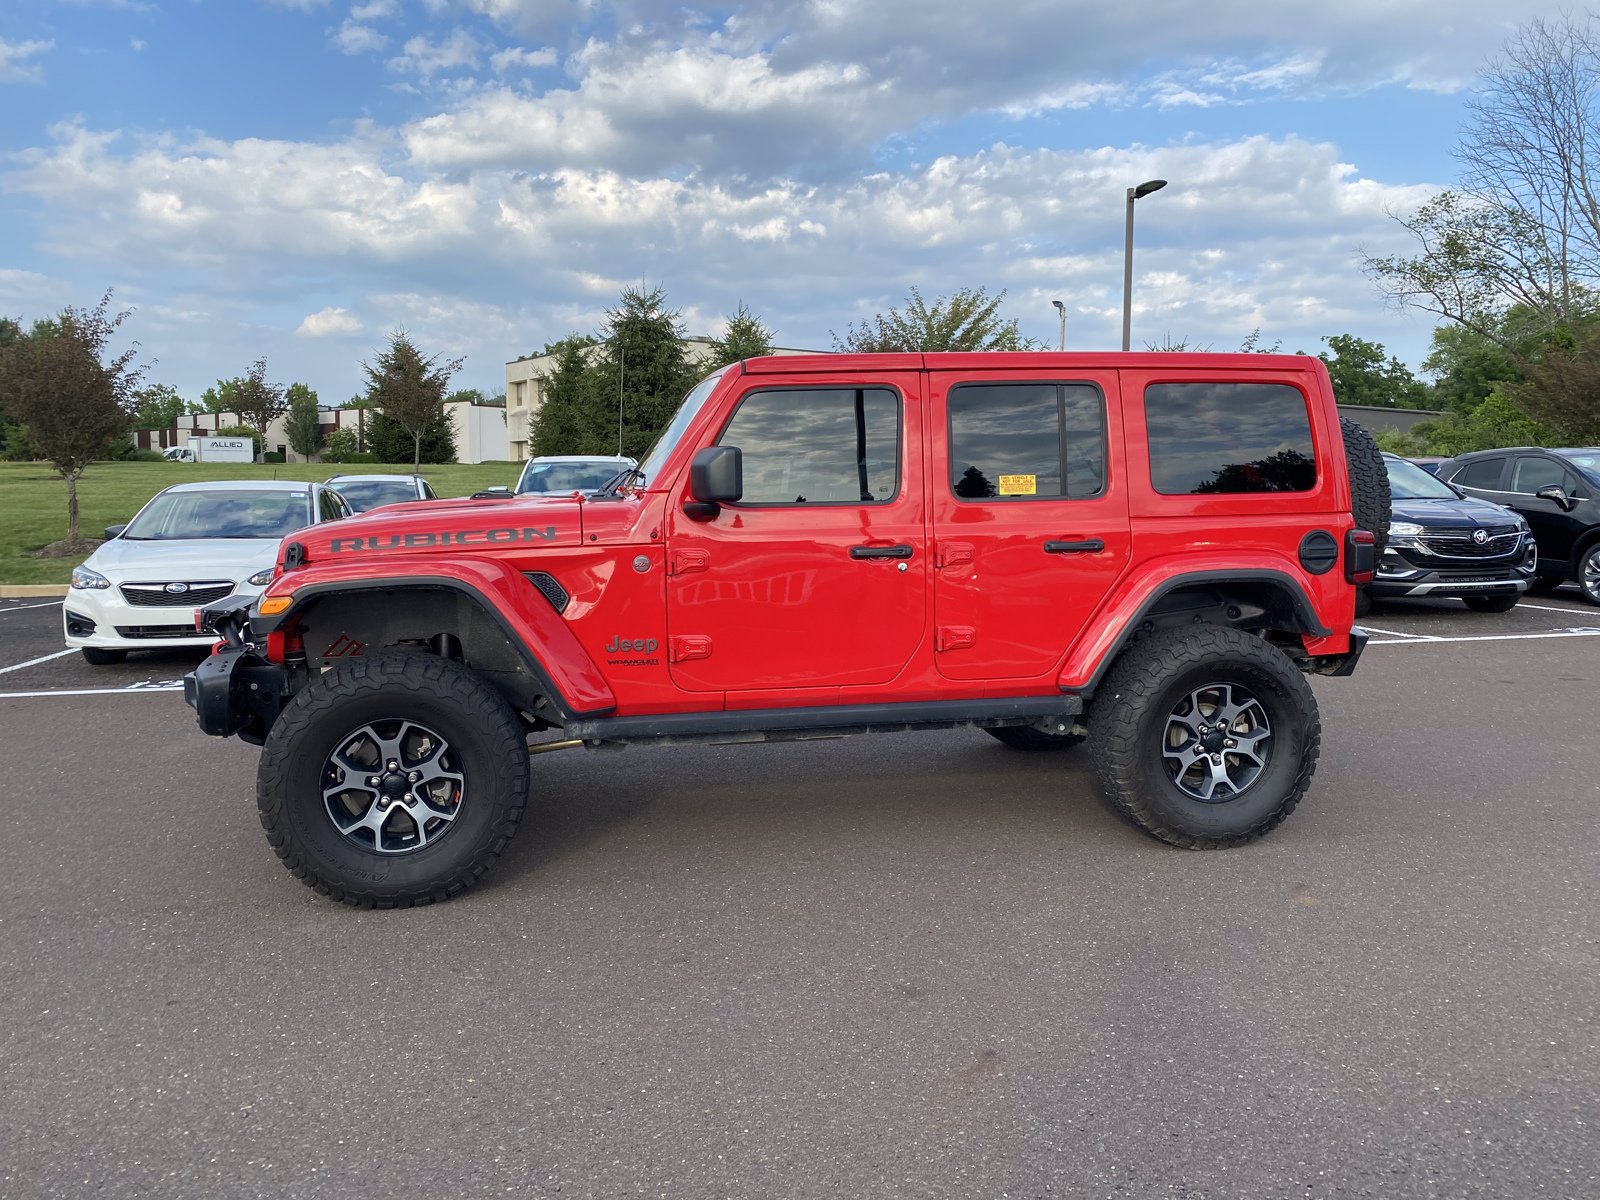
[1557, 493]
[716, 477]
[114, 531]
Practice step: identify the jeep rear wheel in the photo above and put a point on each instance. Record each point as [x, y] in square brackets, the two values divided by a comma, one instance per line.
[1204, 736]
[392, 781]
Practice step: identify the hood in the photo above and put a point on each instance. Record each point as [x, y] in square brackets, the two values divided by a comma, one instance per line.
[126, 560]
[441, 526]
[1468, 513]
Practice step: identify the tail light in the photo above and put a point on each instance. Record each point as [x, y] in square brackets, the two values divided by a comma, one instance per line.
[1360, 555]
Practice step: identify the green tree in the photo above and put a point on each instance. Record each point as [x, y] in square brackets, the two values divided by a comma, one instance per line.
[564, 422]
[341, 444]
[643, 370]
[303, 427]
[160, 407]
[75, 402]
[392, 442]
[1466, 367]
[1495, 422]
[222, 397]
[408, 390]
[258, 402]
[1362, 375]
[746, 337]
[968, 320]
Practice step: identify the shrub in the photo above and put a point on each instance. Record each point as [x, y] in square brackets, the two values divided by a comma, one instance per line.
[272, 456]
[144, 456]
[256, 439]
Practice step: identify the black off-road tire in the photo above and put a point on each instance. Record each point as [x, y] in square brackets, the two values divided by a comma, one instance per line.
[485, 738]
[95, 656]
[1029, 737]
[1491, 604]
[1363, 602]
[1128, 730]
[1369, 481]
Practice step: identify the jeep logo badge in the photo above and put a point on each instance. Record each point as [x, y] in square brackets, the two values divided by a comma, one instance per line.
[177, 589]
[1479, 536]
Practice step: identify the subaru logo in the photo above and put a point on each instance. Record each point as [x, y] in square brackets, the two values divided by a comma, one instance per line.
[178, 589]
[1478, 536]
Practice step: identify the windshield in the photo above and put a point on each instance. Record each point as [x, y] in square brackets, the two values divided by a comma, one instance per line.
[1587, 461]
[173, 516]
[559, 478]
[657, 458]
[370, 493]
[1407, 481]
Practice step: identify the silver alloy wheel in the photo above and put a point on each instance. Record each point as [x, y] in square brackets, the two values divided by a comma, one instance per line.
[1218, 741]
[1589, 574]
[392, 786]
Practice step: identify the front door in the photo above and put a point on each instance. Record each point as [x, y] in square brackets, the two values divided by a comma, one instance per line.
[1030, 516]
[818, 577]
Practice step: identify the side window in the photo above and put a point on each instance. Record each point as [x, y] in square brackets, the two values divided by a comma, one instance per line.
[1027, 441]
[1227, 438]
[818, 446]
[329, 503]
[1531, 474]
[1483, 474]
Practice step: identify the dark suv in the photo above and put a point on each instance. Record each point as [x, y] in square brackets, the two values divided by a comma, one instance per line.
[1558, 491]
[1445, 544]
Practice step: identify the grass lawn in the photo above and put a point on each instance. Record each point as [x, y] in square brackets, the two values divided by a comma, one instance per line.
[33, 499]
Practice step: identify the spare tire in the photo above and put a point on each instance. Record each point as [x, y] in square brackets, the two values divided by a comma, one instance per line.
[1369, 480]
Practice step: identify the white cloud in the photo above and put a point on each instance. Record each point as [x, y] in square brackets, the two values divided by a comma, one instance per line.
[513, 56]
[354, 38]
[374, 10]
[138, 44]
[14, 65]
[329, 322]
[427, 58]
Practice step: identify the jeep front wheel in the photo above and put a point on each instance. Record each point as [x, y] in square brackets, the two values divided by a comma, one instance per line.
[1204, 736]
[392, 781]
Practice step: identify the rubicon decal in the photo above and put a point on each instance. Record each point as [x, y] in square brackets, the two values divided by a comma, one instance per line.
[501, 536]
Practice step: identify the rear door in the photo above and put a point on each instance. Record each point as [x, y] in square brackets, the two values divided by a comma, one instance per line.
[1029, 512]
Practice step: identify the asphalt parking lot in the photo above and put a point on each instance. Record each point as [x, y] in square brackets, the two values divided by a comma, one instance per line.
[917, 965]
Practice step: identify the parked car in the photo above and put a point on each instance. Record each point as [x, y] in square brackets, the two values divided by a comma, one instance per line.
[563, 474]
[1444, 543]
[1558, 491]
[1429, 463]
[364, 492]
[189, 545]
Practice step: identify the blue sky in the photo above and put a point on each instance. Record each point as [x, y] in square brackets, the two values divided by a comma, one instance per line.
[296, 178]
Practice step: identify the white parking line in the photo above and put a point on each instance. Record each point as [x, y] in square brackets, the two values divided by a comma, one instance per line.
[134, 689]
[1397, 633]
[23, 607]
[1491, 637]
[1582, 612]
[35, 661]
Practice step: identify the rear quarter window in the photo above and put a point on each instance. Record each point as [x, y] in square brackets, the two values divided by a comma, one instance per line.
[1228, 438]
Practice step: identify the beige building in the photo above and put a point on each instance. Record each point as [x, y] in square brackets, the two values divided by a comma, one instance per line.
[525, 382]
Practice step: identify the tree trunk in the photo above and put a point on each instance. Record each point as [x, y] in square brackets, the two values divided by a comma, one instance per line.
[416, 457]
[72, 508]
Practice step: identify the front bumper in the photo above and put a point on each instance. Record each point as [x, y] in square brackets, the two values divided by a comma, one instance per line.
[1404, 573]
[236, 692]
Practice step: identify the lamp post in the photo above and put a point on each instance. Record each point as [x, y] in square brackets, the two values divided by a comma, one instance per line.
[1134, 193]
[1061, 309]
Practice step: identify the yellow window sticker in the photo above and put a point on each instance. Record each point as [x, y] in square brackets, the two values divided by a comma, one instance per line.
[1019, 485]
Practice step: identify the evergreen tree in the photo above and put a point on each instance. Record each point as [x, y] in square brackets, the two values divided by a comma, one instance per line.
[968, 320]
[392, 442]
[563, 424]
[409, 391]
[746, 338]
[644, 371]
[304, 425]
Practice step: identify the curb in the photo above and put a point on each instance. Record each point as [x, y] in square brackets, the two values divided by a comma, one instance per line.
[16, 591]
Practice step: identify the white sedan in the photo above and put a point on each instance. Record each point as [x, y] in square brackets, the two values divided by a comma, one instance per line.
[190, 545]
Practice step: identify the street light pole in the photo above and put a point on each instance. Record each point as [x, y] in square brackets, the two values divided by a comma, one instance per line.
[1062, 310]
[1134, 193]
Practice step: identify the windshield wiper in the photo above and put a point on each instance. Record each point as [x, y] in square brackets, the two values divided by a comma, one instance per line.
[614, 485]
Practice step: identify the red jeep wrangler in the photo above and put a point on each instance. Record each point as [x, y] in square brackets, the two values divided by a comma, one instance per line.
[1147, 550]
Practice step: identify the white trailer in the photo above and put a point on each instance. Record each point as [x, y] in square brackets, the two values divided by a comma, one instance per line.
[223, 449]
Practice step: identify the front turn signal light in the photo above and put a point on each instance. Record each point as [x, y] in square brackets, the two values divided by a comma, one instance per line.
[274, 605]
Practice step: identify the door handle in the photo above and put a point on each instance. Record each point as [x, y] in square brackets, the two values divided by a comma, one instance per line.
[1086, 546]
[900, 551]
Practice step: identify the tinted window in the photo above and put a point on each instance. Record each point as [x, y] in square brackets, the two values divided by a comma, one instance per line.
[1484, 473]
[818, 446]
[1531, 474]
[1225, 438]
[373, 493]
[1027, 441]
